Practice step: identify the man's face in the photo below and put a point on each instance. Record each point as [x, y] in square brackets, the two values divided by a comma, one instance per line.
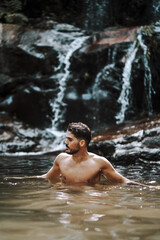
[72, 143]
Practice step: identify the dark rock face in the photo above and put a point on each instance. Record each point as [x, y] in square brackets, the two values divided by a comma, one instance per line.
[17, 137]
[103, 148]
[24, 85]
[63, 75]
[136, 141]
[97, 85]
[152, 142]
[32, 72]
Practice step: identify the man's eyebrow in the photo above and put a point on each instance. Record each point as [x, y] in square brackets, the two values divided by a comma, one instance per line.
[69, 138]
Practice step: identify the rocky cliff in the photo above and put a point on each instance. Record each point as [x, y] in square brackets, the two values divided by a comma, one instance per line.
[52, 73]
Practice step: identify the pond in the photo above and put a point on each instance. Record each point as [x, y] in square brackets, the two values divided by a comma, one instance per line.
[37, 209]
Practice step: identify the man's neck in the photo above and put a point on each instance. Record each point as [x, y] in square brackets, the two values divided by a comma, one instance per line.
[80, 156]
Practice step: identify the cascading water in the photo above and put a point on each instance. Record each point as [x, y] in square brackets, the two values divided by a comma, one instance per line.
[57, 104]
[155, 9]
[147, 76]
[126, 86]
[124, 98]
[97, 93]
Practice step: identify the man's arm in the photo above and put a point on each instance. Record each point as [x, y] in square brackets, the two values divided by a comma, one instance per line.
[112, 175]
[54, 172]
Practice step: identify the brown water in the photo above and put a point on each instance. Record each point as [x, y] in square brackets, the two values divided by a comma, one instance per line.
[37, 209]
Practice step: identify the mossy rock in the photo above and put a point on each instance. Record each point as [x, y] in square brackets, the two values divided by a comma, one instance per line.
[16, 18]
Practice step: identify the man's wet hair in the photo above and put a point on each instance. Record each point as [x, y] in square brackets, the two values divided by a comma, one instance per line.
[80, 131]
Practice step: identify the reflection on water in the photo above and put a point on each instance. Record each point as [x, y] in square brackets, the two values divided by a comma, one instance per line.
[37, 209]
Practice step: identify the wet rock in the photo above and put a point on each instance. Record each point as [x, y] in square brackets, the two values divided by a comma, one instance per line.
[97, 85]
[26, 66]
[106, 148]
[104, 39]
[152, 142]
[150, 155]
[41, 60]
[155, 131]
[16, 136]
[6, 136]
[134, 137]
[127, 144]
[138, 141]
[25, 146]
[125, 157]
[29, 81]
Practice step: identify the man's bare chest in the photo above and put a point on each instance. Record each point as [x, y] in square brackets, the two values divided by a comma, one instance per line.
[80, 173]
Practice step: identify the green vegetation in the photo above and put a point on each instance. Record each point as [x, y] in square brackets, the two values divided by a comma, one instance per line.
[11, 12]
[12, 6]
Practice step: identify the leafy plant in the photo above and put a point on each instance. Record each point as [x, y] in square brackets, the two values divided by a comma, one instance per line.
[11, 6]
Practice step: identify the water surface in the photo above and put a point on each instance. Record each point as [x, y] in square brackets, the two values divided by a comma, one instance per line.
[36, 209]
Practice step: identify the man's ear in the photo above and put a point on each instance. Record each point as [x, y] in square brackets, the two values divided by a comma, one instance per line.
[82, 142]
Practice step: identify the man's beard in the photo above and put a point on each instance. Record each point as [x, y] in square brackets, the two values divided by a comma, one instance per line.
[72, 151]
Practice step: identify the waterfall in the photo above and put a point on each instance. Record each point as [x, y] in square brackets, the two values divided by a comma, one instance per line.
[97, 93]
[126, 86]
[124, 98]
[58, 104]
[147, 76]
[156, 10]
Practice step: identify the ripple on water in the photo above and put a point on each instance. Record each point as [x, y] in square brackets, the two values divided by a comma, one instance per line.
[35, 208]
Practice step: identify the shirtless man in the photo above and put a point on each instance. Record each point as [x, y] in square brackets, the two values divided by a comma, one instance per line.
[77, 165]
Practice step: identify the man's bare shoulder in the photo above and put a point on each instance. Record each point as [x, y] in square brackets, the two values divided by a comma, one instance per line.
[62, 156]
[95, 156]
[98, 158]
